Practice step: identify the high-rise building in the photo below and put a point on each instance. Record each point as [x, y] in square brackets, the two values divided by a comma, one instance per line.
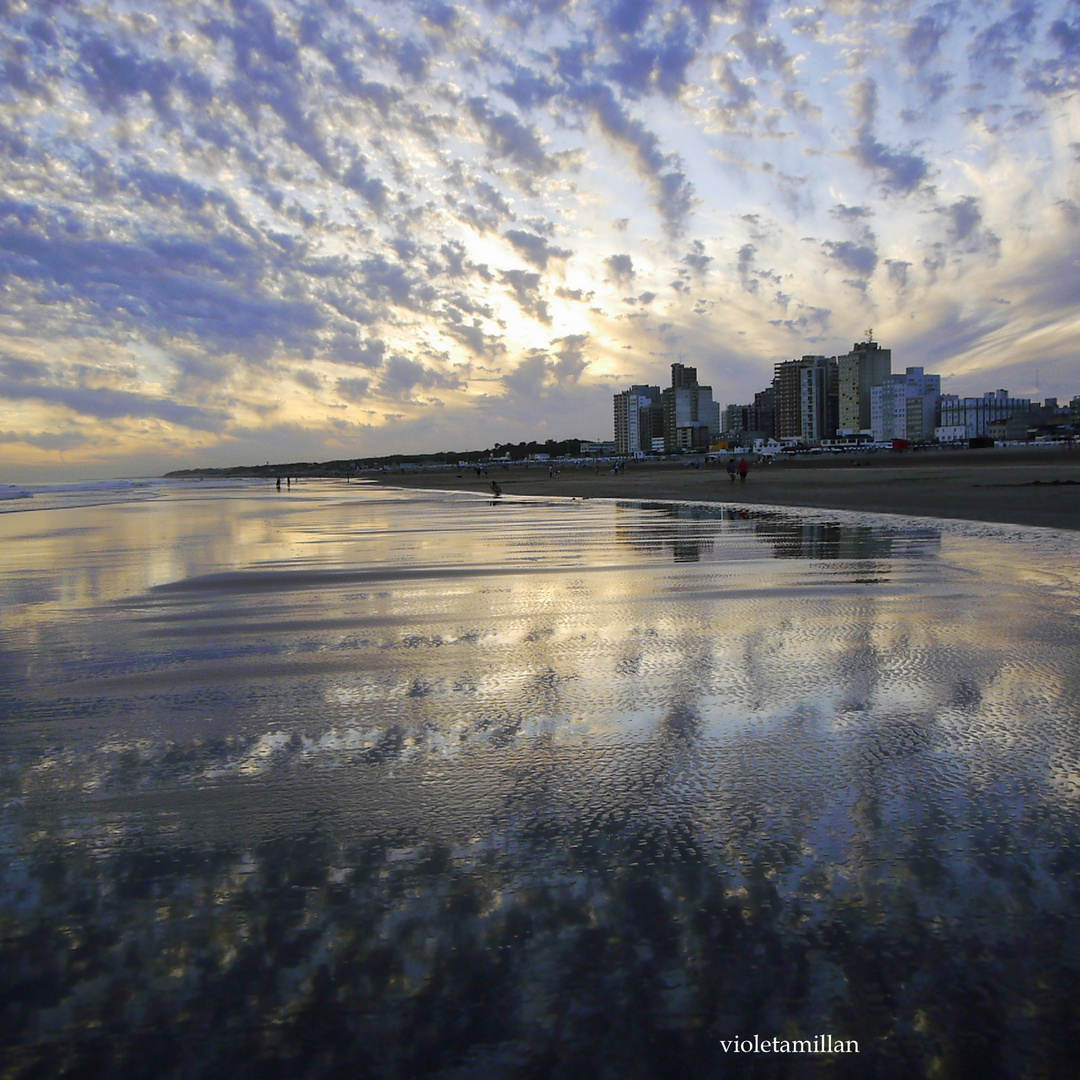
[905, 406]
[765, 403]
[744, 423]
[805, 398]
[866, 366]
[639, 418]
[923, 404]
[688, 411]
[888, 409]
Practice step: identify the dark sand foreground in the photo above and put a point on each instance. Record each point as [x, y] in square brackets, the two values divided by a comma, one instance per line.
[1021, 486]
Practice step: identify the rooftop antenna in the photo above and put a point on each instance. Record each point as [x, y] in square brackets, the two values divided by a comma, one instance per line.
[869, 335]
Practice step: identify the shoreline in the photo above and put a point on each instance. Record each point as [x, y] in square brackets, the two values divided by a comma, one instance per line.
[1004, 486]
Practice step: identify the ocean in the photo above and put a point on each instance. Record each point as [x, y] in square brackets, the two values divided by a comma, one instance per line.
[345, 780]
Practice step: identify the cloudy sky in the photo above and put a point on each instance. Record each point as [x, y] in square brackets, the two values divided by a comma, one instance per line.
[249, 231]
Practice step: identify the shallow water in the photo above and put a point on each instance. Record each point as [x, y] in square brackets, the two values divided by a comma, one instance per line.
[349, 781]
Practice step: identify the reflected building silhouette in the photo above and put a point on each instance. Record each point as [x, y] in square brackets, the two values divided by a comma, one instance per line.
[795, 538]
[689, 532]
[674, 527]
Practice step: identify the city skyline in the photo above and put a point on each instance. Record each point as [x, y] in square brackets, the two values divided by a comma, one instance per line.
[307, 231]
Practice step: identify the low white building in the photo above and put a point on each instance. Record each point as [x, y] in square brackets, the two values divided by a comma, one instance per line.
[974, 414]
[952, 434]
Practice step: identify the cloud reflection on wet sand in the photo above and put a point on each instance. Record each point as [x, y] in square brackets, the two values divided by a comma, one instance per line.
[425, 786]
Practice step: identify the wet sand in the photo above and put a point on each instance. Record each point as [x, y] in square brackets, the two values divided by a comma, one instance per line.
[399, 783]
[1013, 486]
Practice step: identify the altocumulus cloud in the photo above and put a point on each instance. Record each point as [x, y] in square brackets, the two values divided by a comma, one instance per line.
[220, 220]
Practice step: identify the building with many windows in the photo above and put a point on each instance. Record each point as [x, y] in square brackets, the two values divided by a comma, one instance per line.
[689, 416]
[905, 407]
[639, 418]
[973, 415]
[742, 424]
[866, 366]
[805, 398]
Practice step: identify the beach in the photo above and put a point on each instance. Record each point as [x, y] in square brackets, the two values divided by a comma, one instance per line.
[1019, 486]
[351, 779]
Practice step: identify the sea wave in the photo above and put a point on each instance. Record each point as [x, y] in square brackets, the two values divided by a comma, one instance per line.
[17, 497]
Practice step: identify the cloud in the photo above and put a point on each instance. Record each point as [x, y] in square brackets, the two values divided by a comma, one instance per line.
[922, 42]
[49, 440]
[347, 347]
[570, 357]
[861, 258]
[205, 289]
[764, 53]
[964, 217]
[1060, 74]
[744, 265]
[621, 268]
[674, 194]
[652, 60]
[524, 287]
[965, 227]
[995, 49]
[384, 280]
[577, 295]
[354, 390]
[24, 370]
[195, 373]
[628, 16]
[898, 271]
[695, 258]
[401, 376]
[372, 189]
[528, 88]
[506, 136]
[535, 249]
[899, 171]
[308, 378]
[474, 338]
[537, 377]
[107, 404]
[851, 213]
[113, 73]
[739, 101]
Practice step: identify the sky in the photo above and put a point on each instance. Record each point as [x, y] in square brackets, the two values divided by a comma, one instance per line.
[242, 232]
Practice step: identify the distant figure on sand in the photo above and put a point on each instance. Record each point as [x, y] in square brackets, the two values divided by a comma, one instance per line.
[495, 489]
[732, 469]
[743, 469]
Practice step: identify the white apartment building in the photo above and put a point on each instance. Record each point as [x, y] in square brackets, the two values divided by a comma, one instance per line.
[905, 406]
[974, 414]
[637, 418]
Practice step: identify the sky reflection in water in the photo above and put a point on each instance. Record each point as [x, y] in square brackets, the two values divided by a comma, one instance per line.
[377, 783]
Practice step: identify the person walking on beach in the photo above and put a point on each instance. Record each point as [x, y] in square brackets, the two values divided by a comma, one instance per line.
[731, 470]
[743, 470]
